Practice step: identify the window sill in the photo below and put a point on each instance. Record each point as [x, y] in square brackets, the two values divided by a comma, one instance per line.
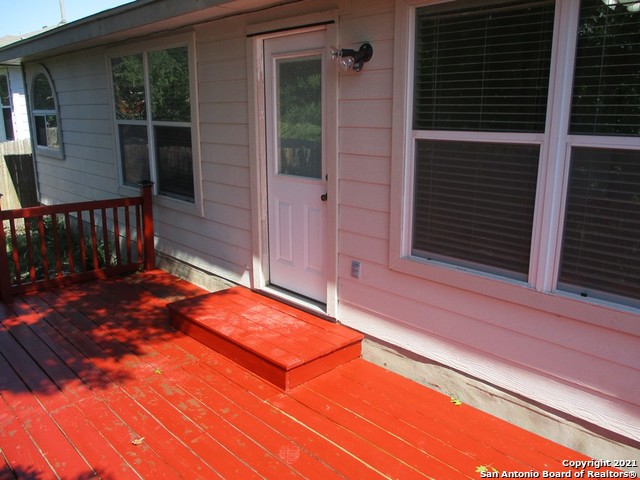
[597, 312]
[50, 152]
[166, 202]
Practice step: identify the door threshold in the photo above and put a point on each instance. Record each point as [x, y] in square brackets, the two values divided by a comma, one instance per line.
[293, 299]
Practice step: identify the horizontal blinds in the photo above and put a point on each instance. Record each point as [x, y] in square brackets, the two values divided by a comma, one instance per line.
[606, 92]
[474, 204]
[601, 246]
[483, 68]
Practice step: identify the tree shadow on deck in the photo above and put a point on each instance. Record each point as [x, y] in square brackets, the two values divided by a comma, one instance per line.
[90, 336]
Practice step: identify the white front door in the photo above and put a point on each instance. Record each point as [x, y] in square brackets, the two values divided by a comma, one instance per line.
[296, 174]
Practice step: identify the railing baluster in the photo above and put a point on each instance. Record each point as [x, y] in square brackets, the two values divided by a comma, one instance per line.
[56, 245]
[83, 244]
[105, 238]
[43, 247]
[139, 233]
[32, 268]
[116, 234]
[5, 280]
[67, 225]
[147, 217]
[94, 239]
[127, 226]
[15, 255]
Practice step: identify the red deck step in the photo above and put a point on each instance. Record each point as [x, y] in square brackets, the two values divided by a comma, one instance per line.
[279, 343]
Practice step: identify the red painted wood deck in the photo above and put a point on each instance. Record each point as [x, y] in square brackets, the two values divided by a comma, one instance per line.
[96, 383]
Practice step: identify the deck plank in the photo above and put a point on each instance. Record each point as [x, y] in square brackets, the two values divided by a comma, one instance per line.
[95, 381]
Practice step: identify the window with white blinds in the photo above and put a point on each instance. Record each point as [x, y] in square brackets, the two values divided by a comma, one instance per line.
[601, 240]
[601, 248]
[483, 66]
[474, 204]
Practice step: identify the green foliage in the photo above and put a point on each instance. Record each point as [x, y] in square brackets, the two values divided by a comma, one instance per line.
[169, 78]
[29, 248]
[128, 87]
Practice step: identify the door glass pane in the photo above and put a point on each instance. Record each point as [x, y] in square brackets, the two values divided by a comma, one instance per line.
[299, 101]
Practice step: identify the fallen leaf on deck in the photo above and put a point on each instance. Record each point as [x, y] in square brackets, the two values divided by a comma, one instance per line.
[137, 441]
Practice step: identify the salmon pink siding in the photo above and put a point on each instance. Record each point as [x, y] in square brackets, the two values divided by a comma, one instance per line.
[568, 355]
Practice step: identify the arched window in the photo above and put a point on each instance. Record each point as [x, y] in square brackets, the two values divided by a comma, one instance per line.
[46, 125]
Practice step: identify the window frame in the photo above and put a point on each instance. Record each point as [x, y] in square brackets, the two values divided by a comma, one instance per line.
[185, 40]
[44, 149]
[3, 137]
[552, 184]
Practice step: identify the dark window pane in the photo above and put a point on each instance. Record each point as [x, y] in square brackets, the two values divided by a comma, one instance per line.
[483, 68]
[47, 131]
[134, 152]
[4, 91]
[606, 91]
[474, 204]
[169, 74]
[42, 94]
[175, 162]
[8, 123]
[601, 246]
[128, 87]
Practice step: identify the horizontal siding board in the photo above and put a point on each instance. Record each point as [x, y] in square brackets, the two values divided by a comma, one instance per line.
[365, 141]
[364, 222]
[223, 70]
[228, 215]
[372, 114]
[225, 134]
[170, 224]
[556, 395]
[226, 174]
[227, 195]
[225, 113]
[362, 247]
[376, 84]
[364, 195]
[367, 169]
[237, 155]
[198, 246]
[575, 338]
[575, 367]
[221, 92]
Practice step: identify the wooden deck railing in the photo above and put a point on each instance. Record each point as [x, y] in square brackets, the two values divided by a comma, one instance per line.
[52, 246]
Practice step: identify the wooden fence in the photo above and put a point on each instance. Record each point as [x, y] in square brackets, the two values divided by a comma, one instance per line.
[52, 246]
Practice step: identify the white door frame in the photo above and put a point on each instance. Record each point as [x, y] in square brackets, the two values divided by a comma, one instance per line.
[259, 269]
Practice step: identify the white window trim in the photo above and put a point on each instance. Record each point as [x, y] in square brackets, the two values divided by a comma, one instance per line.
[188, 40]
[3, 138]
[539, 292]
[57, 153]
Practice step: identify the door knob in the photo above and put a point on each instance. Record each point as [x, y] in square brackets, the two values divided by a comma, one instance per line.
[323, 197]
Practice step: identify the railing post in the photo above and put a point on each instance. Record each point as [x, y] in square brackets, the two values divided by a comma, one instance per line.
[5, 279]
[147, 225]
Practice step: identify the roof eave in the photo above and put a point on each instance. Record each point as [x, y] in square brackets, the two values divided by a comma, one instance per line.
[127, 21]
